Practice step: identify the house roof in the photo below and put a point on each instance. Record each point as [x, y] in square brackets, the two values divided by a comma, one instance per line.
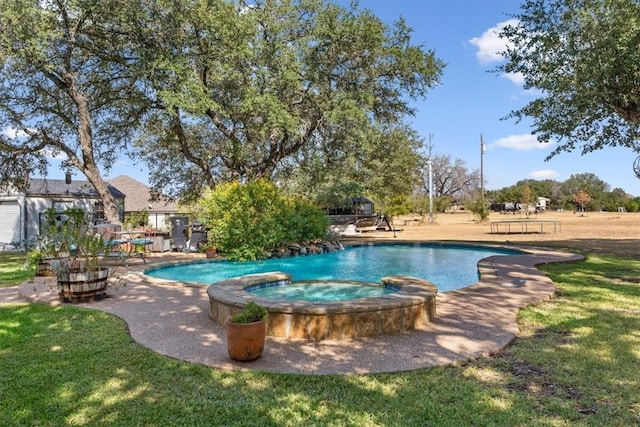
[59, 187]
[139, 196]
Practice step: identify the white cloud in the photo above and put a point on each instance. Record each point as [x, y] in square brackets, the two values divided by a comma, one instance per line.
[490, 44]
[13, 133]
[517, 78]
[59, 156]
[525, 142]
[544, 174]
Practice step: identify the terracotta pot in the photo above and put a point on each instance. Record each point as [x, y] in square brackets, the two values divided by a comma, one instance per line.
[210, 252]
[245, 341]
[86, 285]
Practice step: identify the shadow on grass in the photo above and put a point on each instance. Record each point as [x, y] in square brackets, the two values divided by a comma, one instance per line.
[575, 363]
[69, 365]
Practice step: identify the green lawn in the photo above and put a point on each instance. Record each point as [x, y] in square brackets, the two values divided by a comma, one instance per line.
[577, 363]
[12, 271]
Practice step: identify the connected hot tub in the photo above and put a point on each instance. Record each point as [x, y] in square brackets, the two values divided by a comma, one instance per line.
[403, 303]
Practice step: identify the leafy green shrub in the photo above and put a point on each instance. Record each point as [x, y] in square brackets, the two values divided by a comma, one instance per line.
[304, 221]
[136, 219]
[252, 312]
[247, 220]
[478, 207]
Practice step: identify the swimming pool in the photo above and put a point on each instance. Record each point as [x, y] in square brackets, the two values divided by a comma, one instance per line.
[449, 267]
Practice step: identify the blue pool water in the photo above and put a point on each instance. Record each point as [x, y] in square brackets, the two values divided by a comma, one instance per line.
[323, 291]
[447, 267]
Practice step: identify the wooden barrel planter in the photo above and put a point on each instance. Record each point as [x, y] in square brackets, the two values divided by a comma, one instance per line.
[83, 285]
[43, 269]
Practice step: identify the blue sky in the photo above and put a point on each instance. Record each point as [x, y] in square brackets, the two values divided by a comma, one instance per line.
[471, 100]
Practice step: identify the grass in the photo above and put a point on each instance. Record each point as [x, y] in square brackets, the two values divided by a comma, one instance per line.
[575, 363]
[11, 269]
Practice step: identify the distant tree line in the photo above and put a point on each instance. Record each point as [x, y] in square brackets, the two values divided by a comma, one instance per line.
[562, 195]
[453, 183]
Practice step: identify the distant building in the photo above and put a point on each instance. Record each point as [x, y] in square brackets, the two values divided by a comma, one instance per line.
[138, 198]
[21, 212]
[543, 203]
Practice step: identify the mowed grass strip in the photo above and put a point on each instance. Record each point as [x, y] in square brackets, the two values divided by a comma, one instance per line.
[13, 270]
[575, 363]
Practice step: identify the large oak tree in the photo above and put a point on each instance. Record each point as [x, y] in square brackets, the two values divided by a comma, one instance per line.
[227, 89]
[68, 86]
[257, 89]
[583, 56]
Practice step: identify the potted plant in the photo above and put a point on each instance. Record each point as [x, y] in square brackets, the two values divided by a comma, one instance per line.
[246, 332]
[37, 258]
[52, 244]
[75, 255]
[209, 249]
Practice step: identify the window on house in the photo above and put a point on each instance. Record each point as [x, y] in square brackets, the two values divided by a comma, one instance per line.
[98, 213]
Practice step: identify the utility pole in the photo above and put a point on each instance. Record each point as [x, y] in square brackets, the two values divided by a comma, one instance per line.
[430, 163]
[483, 148]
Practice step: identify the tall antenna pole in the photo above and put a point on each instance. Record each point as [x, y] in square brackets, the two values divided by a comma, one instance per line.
[483, 148]
[430, 162]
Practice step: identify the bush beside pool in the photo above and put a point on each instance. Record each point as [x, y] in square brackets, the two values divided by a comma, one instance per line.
[412, 306]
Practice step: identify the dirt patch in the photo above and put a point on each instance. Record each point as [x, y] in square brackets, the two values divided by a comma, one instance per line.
[599, 232]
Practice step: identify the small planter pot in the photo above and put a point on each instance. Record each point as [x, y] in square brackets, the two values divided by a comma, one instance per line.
[83, 285]
[245, 341]
[210, 252]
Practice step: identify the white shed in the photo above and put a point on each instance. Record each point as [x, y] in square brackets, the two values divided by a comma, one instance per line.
[542, 203]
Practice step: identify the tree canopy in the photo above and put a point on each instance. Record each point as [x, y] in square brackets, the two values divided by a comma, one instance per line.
[450, 177]
[68, 86]
[208, 92]
[258, 89]
[583, 57]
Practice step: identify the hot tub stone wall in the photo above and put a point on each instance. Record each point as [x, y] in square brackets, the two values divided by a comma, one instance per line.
[412, 306]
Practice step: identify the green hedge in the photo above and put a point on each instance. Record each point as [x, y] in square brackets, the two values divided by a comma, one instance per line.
[248, 220]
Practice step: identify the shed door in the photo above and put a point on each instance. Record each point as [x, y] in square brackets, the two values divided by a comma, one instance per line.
[9, 222]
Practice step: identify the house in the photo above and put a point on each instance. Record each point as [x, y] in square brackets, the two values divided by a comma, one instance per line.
[138, 198]
[21, 212]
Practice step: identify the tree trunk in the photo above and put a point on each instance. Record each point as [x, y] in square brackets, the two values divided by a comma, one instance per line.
[111, 213]
[87, 164]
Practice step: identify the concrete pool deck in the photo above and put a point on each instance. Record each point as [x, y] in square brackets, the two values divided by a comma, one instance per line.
[172, 319]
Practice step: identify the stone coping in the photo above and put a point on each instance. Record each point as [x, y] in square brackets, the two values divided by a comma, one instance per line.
[232, 292]
[412, 305]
